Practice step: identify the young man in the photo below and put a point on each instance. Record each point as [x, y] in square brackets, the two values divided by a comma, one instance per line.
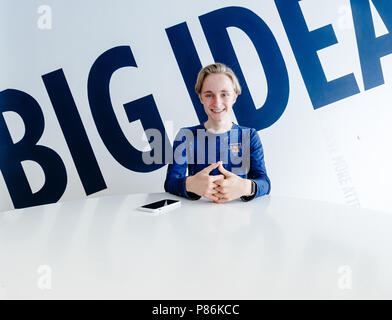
[224, 161]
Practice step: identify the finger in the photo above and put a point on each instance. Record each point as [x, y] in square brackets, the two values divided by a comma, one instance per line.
[224, 171]
[223, 191]
[211, 167]
[225, 183]
[212, 189]
[210, 192]
[216, 193]
[218, 178]
[220, 195]
[212, 197]
[219, 198]
[218, 189]
[222, 200]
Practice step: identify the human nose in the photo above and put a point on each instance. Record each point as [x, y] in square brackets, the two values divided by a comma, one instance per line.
[217, 101]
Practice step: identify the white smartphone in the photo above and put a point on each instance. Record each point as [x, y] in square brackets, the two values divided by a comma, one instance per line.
[161, 206]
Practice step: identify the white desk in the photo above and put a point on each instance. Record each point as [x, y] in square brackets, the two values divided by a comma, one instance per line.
[271, 247]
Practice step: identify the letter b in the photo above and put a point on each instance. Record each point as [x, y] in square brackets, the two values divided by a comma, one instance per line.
[11, 155]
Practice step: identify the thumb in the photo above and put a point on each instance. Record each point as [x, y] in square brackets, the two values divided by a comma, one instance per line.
[211, 167]
[224, 171]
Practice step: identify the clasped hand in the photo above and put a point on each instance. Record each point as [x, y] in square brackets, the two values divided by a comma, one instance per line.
[220, 188]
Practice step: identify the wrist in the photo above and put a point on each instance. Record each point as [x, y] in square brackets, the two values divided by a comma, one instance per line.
[247, 187]
[188, 184]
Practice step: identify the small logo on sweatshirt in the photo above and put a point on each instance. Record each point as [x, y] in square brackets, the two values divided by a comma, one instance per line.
[235, 148]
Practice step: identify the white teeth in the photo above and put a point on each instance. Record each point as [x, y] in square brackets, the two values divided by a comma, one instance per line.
[217, 111]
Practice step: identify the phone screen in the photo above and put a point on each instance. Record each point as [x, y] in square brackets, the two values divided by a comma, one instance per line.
[159, 204]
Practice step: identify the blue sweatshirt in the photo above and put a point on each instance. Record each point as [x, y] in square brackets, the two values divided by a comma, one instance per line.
[195, 148]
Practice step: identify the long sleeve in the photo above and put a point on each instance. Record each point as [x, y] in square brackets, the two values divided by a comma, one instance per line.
[257, 171]
[176, 171]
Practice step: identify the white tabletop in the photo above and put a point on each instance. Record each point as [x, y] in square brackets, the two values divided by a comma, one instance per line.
[271, 247]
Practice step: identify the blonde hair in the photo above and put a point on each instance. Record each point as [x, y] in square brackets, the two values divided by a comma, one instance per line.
[217, 68]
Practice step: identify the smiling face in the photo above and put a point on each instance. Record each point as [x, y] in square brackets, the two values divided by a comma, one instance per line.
[218, 96]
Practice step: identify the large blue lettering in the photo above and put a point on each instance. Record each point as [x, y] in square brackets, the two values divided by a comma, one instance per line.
[74, 132]
[11, 155]
[215, 26]
[305, 45]
[370, 48]
[143, 109]
[188, 62]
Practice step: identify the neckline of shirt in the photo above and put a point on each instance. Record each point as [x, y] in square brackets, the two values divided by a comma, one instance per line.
[219, 134]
